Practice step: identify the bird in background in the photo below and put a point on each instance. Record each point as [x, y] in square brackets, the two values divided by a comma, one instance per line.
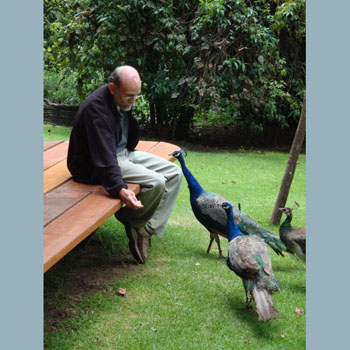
[249, 258]
[293, 238]
[207, 208]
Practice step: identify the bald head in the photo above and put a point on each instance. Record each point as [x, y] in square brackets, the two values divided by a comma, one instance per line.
[125, 86]
[124, 73]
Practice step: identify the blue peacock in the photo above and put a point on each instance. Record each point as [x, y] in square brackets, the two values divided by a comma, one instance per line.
[207, 208]
[249, 258]
[293, 238]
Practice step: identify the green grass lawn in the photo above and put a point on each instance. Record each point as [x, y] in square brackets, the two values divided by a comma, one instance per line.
[182, 298]
[56, 132]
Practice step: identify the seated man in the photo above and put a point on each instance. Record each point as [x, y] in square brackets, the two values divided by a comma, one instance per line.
[102, 151]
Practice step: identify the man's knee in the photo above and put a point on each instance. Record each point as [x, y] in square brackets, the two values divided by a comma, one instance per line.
[158, 183]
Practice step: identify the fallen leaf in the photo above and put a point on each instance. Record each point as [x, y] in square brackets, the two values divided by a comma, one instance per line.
[281, 335]
[298, 311]
[248, 341]
[234, 182]
[122, 291]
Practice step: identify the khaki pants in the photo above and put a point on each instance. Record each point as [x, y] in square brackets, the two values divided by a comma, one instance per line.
[160, 182]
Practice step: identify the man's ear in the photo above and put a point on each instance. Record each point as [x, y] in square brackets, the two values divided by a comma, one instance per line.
[112, 88]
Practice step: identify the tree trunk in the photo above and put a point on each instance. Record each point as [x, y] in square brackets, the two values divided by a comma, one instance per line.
[290, 169]
[183, 124]
[153, 115]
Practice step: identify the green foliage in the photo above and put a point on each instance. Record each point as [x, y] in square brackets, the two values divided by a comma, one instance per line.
[233, 61]
[61, 88]
[141, 110]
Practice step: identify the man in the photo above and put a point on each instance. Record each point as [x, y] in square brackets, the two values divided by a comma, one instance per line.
[102, 151]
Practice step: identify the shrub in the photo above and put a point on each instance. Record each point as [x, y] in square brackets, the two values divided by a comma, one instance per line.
[232, 61]
[60, 88]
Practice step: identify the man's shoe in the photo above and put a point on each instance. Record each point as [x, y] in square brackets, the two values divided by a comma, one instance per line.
[139, 239]
[133, 246]
[138, 242]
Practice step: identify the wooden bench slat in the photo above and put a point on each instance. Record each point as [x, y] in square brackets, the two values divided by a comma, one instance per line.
[146, 145]
[56, 151]
[70, 193]
[74, 225]
[49, 144]
[71, 185]
[55, 154]
[56, 175]
[57, 202]
[163, 149]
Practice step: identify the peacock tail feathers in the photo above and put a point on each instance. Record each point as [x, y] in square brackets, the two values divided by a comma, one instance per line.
[208, 210]
[265, 308]
[250, 227]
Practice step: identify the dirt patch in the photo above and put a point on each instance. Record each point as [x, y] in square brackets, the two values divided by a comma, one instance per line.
[80, 273]
[213, 139]
[233, 137]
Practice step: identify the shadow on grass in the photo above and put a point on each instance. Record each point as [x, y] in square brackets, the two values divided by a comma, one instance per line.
[191, 248]
[79, 274]
[262, 330]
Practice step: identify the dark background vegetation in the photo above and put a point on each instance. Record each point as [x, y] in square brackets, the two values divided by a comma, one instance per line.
[233, 71]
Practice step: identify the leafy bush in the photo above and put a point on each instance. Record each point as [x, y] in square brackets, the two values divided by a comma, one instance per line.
[60, 88]
[231, 61]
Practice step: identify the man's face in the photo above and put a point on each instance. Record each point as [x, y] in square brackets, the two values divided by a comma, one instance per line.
[127, 93]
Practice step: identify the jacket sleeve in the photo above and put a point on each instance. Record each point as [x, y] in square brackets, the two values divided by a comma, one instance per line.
[102, 143]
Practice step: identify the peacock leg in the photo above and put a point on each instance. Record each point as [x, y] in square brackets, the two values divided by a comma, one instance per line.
[247, 298]
[211, 242]
[217, 240]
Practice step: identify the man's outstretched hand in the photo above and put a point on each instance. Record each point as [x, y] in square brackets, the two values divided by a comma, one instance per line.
[129, 199]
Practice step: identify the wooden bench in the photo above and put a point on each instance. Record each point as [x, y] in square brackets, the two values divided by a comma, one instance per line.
[72, 211]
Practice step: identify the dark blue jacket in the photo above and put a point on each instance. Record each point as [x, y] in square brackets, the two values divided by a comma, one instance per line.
[93, 141]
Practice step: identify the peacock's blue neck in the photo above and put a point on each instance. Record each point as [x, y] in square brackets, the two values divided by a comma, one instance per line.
[231, 227]
[193, 185]
[286, 224]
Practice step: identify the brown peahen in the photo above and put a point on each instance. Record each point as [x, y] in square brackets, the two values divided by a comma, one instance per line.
[249, 258]
[293, 238]
[207, 208]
